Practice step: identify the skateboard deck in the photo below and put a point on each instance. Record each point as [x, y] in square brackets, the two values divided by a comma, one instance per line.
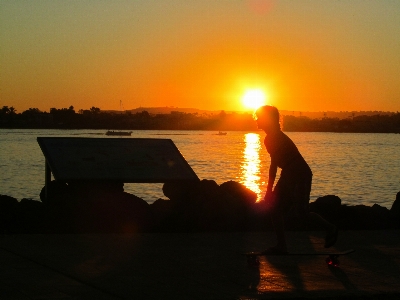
[332, 259]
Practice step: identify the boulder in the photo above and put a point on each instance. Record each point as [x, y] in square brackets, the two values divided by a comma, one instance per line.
[327, 206]
[192, 204]
[89, 188]
[396, 205]
[30, 204]
[217, 208]
[55, 192]
[126, 213]
[7, 203]
[382, 217]
[238, 192]
[162, 211]
[32, 217]
[362, 217]
[237, 205]
[180, 191]
[8, 213]
[96, 207]
[395, 211]
[209, 190]
[259, 217]
[105, 213]
[206, 206]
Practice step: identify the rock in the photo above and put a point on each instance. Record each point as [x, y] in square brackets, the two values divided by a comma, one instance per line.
[30, 204]
[55, 192]
[96, 207]
[89, 188]
[105, 213]
[192, 204]
[237, 204]
[382, 217]
[327, 206]
[196, 206]
[362, 217]
[238, 192]
[7, 203]
[161, 207]
[126, 213]
[209, 190]
[161, 211]
[259, 217]
[210, 207]
[32, 217]
[8, 213]
[396, 205]
[180, 191]
[395, 211]
[206, 206]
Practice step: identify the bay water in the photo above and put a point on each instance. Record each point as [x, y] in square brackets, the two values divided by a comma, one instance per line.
[359, 168]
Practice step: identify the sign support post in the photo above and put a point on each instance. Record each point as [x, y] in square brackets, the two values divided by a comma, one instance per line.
[47, 180]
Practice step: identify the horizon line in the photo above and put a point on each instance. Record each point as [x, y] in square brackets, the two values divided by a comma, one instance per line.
[220, 110]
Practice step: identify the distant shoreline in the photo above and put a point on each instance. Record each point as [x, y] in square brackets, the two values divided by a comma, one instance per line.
[94, 118]
[191, 129]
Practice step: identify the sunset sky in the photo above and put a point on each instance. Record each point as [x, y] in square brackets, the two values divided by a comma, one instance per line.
[304, 55]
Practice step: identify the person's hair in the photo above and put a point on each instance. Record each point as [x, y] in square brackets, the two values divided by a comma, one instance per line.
[269, 112]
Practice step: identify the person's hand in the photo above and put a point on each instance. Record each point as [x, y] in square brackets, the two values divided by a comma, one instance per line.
[269, 197]
[269, 200]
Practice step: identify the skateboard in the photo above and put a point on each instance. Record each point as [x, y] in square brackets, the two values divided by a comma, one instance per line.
[331, 260]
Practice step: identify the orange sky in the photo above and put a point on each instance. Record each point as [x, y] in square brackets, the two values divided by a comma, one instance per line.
[306, 55]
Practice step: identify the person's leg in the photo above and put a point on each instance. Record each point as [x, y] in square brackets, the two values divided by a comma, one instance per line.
[281, 198]
[320, 221]
[316, 219]
[331, 229]
[279, 226]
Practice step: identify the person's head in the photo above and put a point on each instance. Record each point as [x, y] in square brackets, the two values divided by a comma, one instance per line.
[267, 118]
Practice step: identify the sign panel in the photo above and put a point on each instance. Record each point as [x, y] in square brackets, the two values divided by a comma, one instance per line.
[122, 159]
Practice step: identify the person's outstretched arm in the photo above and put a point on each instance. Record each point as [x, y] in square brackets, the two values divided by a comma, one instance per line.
[273, 167]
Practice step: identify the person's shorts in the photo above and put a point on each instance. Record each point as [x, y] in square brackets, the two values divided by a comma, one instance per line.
[292, 191]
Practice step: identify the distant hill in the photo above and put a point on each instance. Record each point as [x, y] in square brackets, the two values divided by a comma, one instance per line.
[333, 114]
[311, 115]
[168, 110]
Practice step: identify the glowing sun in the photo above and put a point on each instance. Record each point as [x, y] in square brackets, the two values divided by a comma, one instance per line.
[254, 98]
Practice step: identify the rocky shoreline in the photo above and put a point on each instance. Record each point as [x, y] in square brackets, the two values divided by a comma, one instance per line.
[202, 206]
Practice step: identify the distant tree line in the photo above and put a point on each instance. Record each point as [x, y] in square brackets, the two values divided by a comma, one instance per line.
[94, 118]
[372, 124]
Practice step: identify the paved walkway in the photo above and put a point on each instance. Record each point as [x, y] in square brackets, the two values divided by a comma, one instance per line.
[195, 266]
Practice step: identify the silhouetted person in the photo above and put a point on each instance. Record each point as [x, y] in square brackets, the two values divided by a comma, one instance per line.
[294, 185]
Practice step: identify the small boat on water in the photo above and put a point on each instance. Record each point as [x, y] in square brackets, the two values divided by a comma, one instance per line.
[221, 133]
[124, 133]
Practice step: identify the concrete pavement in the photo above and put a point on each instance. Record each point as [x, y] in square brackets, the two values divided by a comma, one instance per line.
[195, 266]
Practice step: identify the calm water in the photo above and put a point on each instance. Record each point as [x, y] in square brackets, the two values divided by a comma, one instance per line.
[359, 168]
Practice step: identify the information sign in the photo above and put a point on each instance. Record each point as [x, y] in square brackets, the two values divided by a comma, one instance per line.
[117, 159]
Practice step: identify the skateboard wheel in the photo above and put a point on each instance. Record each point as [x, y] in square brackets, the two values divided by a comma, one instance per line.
[336, 262]
[332, 261]
[328, 260]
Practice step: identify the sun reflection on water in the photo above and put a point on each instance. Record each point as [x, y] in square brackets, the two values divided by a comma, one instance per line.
[251, 164]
